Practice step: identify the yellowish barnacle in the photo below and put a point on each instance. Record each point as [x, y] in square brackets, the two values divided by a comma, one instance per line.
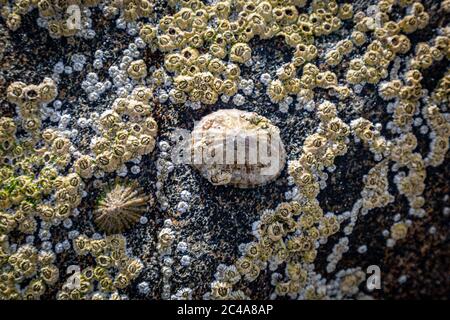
[288, 71]
[346, 11]
[137, 70]
[333, 57]
[50, 274]
[399, 230]
[84, 166]
[275, 231]
[133, 268]
[47, 90]
[240, 52]
[221, 290]
[31, 123]
[358, 38]
[276, 91]
[165, 238]
[244, 265]
[142, 94]
[209, 97]
[82, 245]
[13, 21]
[60, 145]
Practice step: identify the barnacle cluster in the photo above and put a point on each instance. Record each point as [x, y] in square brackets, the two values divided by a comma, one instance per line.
[30, 272]
[279, 242]
[375, 193]
[61, 18]
[320, 150]
[32, 180]
[131, 10]
[441, 129]
[137, 69]
[58, 148]
[203, 75]
[299, 31]
[332, 138]
[127, 131]
[33, 189]
[113, 269]
[441, 92]
[29, 99]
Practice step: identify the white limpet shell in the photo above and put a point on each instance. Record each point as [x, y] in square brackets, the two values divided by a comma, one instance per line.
[218, 143]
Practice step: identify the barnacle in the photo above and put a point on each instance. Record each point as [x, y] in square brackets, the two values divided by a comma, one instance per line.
[240, 52]
[84, 166]
[399, 230]
[350, 282]
[29, 99]
[276, 91]
[137, 69]
[58, 13]
[166, 238]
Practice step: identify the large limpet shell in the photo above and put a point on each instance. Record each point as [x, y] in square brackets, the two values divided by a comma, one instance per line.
[238, 148]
